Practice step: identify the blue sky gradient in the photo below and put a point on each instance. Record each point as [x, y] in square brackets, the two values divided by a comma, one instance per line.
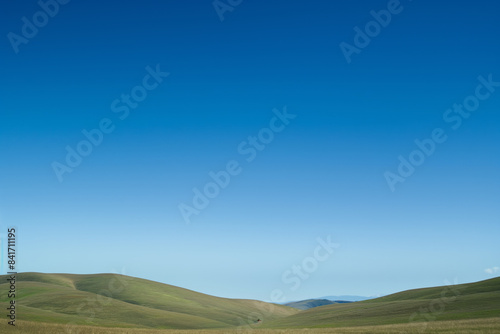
[323, 175]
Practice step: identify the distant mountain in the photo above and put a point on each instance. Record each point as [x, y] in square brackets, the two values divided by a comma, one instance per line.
[310, 303]
[348, 298]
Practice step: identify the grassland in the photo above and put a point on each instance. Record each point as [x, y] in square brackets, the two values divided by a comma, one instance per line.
[121, 301]
[420, 306]
[476, 326]
[107, 303]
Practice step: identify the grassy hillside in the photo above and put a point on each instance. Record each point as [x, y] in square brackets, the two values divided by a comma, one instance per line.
[416, 307]
[107, 300]
[122, 301]
[483, 326]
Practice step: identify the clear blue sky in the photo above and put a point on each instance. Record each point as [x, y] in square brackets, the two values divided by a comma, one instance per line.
[322, 175]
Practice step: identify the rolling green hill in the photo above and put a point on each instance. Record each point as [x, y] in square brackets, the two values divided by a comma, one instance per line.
[416, 307]
[122, 301]
[110, 300]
